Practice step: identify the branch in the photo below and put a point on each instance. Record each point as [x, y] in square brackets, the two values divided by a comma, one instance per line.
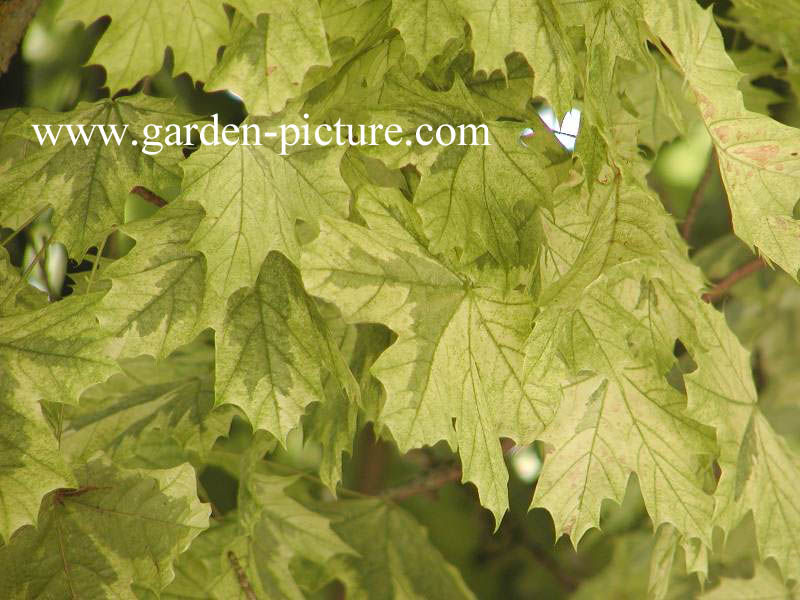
[241, 576]
[722, 286]
[547, 561]
[373, 462]
[697, 196]
[435, 479]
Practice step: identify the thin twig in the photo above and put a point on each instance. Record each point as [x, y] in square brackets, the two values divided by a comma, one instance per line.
[149, 196]
[436, 479]
[548, 562]
[722, 286]
[300, 473]
[697, 196]
[433, 481]
[241, 576]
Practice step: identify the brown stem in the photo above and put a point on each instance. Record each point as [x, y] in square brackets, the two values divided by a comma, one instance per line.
[241, 576]
[697, 196]
[435, 479]
[149, 196]
[373, 462]
[202, 493]
[339, 592]
[548, 562]
[60, 425]
[722, 286]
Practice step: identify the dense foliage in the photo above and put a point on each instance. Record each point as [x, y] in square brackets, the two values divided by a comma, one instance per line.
[242, 374]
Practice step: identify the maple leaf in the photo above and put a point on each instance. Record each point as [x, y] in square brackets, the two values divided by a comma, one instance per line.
[156, 298]
[278, 302]
[273, 352]
[119, 531]
[253, 198]
[261, 63]
[133, 45]
[758, 157]
[31, 463]
[151, 415]
[87, 184]
[56, 352]
[459, 346]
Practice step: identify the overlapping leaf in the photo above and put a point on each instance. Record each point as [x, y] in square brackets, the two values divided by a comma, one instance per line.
[535, 28]
[30, 464]
[256, 548]
[134, 43]
[358, 22]
[611, 33]
[376, 549]
[627, 419]
[273, 352]
[278, 528]
[759, 158]
[759, 472]
[56, 352]
[150, 415]
[333, 423]
[253, 198]
[117, 533]
[482, 198]
[357, 80]
[617, 291]
[273, 47]
[16, 296]
[426, 26]
[762, 586]
[400, 562]
[157, 290]
[87, 184]
[459, 350]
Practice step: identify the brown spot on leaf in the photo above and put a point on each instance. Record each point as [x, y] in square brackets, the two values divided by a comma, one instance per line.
[271, 70]
[722, 132]
[706, 105]
[760, 155]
